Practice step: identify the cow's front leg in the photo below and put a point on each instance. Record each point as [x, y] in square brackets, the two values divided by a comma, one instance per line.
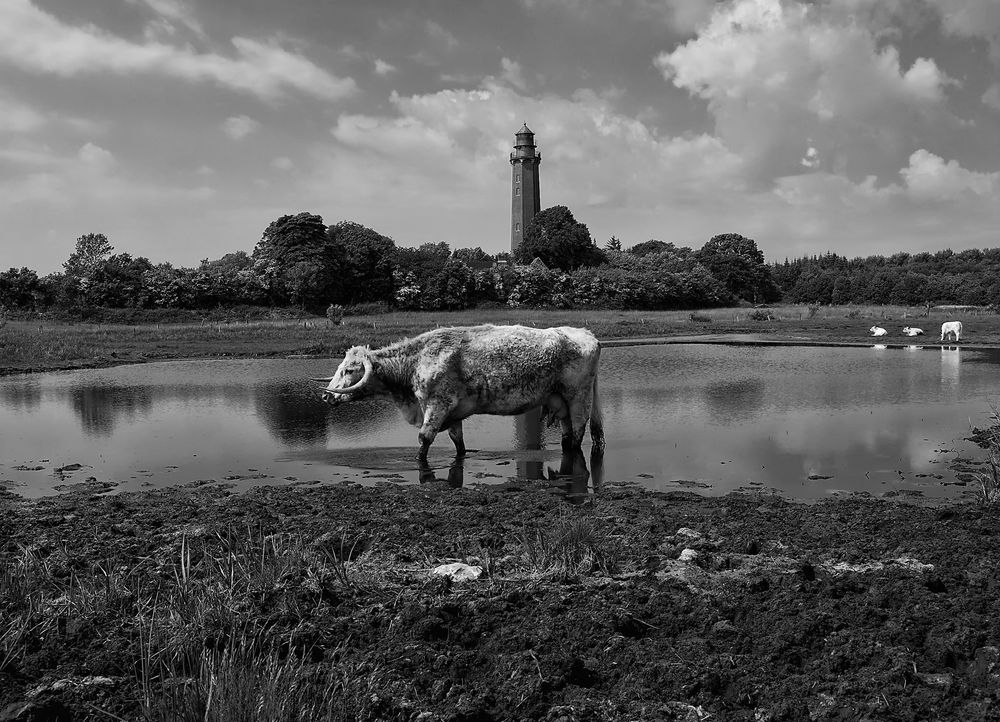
[434, 417]
[455, 432]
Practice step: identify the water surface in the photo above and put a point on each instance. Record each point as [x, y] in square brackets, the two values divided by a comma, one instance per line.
[710, 417]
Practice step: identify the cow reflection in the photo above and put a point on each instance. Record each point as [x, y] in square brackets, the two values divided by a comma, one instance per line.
[456, 474]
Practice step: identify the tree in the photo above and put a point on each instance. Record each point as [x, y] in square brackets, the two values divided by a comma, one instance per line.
[92, 251]
[452, 287]
[738, 263]
[300, 262]
[475, 258]
[650, 246]
[19, 289]
[368, 262]
[613, 245]
[556, 237]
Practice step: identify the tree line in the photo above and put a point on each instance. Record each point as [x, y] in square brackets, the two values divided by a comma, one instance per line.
[969, 277]
[301, 262]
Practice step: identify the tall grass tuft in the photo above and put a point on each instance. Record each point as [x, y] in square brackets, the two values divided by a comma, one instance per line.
[575, 545]
[989, 480]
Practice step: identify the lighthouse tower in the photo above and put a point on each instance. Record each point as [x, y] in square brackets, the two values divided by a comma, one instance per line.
[524, 196]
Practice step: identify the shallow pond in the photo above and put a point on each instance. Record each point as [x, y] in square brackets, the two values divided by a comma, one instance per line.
[805, 421]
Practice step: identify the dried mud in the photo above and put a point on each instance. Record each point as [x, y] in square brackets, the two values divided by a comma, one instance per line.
[744, 607]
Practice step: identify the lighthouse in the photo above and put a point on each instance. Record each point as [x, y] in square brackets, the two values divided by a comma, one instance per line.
[525, 200]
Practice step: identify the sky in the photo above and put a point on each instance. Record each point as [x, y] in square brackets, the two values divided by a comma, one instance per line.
[181, 128]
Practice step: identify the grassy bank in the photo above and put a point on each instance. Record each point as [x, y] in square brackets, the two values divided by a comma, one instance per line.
[41, 345]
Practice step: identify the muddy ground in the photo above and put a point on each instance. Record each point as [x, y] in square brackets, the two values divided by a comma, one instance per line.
[632, 605]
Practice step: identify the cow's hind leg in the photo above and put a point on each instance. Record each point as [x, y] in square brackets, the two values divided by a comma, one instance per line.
[455, 432]
[576, 424]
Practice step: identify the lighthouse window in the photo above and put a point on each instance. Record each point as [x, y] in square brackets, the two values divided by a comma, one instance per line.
[517, 226]
[517, 191]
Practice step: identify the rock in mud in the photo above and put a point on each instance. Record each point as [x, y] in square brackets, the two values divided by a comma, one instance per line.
[457, 572]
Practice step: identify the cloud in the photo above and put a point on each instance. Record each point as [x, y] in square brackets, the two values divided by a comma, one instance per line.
[775, 75]
[18, 117]
[991, 98]
[440, 36]
[972, 19]
[929, 177]
[512, 73]
[383, 68]
[95, 156]
[239, 127]
[38, 42]
[283, 163]
[170, 13]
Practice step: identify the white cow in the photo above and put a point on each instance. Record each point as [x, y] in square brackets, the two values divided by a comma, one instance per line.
[951, 328]
[877, 331]
[441, 377]
[913, 331]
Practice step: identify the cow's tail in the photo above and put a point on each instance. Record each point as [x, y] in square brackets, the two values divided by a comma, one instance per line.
[596, 422]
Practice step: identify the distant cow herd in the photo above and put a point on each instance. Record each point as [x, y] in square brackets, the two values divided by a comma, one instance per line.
[949, 330]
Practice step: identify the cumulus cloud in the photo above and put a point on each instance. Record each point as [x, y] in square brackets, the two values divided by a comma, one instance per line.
[930, 177]
[383, 68]
[775, 74]
[37, 41]
[239, 127]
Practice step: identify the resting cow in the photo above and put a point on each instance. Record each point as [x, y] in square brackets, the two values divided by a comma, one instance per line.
[951, 328]
[877, 331]
[913, 331]
[441, 377]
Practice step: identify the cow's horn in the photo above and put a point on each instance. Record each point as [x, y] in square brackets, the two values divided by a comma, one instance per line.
[326, 380]
[360, 384]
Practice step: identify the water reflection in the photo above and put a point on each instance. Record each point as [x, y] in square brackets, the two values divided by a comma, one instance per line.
[100, 408]
[950, 365]
[292, 413]
[455, 478]
[21, 394]
[528, 435]
[742, 399]
[573, 476]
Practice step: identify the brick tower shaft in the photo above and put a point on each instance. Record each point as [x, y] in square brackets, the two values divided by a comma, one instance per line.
[525, 200]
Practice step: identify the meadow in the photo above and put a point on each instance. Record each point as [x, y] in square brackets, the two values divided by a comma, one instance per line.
[40, 345]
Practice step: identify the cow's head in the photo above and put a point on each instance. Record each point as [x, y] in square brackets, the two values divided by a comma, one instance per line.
[351, 379]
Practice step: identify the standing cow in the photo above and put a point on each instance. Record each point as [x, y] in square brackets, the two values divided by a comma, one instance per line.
[951, 328]
[441, 377]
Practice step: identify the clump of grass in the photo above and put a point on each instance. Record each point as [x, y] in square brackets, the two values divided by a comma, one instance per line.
[574, 545]
[989, 480]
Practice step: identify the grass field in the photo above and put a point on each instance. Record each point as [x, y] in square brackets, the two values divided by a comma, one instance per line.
[44, 345]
